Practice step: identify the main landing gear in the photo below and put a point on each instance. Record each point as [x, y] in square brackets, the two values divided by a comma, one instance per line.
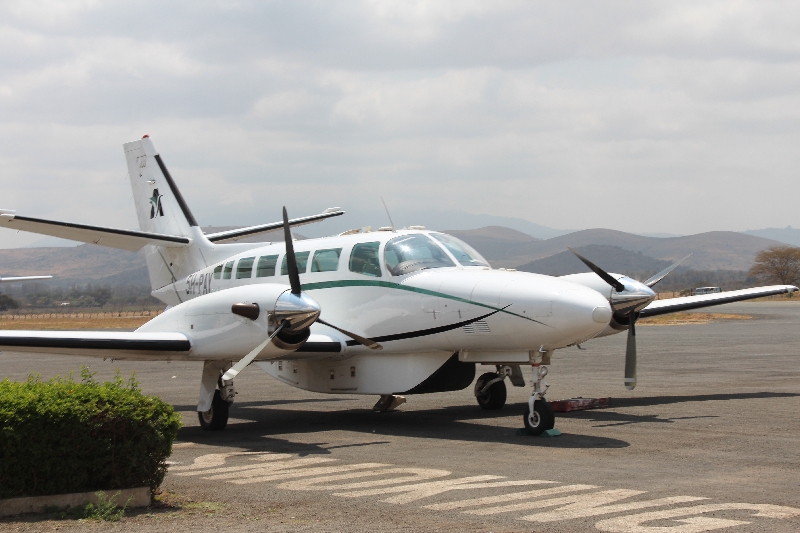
[490, 388]
[216, 396]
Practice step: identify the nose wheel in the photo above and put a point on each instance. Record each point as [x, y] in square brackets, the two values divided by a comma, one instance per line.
[490, 391]
[540, 419]
[539, 415]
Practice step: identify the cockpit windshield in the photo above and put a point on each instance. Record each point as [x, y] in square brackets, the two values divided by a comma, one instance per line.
[410, 253]
[463, 252]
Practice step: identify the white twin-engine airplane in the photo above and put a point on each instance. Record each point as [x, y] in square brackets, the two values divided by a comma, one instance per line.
[388, 312]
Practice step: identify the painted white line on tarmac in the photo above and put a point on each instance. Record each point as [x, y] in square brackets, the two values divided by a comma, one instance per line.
[280, 475]
[399, 486]
[596, 504]
[692, 524]
[486, 500]
[270, 467]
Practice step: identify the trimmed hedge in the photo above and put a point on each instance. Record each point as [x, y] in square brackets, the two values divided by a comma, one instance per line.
[63, 436]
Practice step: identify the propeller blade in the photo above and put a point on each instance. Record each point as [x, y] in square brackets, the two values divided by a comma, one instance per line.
[663, 274]
[605, 276]
[630, 356]
[369, 343]
[291, 262]
[247, 359]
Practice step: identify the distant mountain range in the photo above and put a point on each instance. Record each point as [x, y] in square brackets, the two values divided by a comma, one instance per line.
[788, 235]
[726, 250]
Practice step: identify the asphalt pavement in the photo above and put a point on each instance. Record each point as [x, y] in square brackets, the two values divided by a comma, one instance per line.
[709, 440]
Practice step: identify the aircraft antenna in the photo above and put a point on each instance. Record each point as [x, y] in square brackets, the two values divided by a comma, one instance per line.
[387, 213]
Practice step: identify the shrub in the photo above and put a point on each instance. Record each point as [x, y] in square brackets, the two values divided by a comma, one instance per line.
[63, 436]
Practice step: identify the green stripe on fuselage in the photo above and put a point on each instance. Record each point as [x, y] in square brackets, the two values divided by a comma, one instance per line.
[398, 286]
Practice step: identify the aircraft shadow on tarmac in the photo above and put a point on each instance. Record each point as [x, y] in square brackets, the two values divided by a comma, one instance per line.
[252, 426]
[609, 417]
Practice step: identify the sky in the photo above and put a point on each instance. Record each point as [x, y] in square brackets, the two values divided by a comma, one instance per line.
[673, 117]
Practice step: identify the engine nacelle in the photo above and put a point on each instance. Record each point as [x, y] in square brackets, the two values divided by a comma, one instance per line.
[217, 332]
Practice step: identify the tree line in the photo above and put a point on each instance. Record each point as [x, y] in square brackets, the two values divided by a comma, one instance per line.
[40, 295]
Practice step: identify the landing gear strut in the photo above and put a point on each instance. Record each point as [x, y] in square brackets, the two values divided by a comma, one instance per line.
[539, 416]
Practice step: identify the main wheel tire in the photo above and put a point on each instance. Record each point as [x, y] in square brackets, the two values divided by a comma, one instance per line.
[542, 418]
[216, 418]
[495, 397]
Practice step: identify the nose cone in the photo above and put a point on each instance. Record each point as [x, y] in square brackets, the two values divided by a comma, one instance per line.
[568, 313]
[579, 314]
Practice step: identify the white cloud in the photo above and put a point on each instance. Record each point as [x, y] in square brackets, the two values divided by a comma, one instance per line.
[569, 114]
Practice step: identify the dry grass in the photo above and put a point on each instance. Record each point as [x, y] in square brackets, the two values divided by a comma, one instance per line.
[71, 322]
[681, 319]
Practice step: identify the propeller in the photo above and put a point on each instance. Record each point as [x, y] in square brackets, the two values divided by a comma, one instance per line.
[233, 371]
[663, 274]
[294, 311]
[630, 298]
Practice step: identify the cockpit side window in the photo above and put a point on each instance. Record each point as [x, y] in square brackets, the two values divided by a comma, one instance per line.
[300, 258]
[226, 272]
[463, 252]
[410, 253]
[326, 260]
[364, 259]
[245, 268]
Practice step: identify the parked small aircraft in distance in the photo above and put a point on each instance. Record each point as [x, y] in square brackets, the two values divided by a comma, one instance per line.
[386, 312]
[23, 278]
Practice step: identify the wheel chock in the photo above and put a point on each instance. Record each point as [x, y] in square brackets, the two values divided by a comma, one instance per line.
[546, 434]
[389, 402]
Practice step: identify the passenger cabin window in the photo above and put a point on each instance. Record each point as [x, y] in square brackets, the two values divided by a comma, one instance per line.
[266, 266]
[217, 271]
[301, 258]
[410, 253]
[326, 260]
[364, 259]
[463, 252]
[226, 272]
[245, 268]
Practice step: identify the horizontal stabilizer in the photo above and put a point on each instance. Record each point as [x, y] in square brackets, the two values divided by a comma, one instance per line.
[112, 344]
[110, 237]
[686, 303]
[241, 233]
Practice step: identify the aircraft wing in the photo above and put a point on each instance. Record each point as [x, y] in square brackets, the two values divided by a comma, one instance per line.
[113, 238]
[236, 234]
[673, 305]
[112, 344]
[137, 345]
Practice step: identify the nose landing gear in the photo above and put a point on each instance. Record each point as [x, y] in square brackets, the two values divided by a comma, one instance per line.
[539, 415]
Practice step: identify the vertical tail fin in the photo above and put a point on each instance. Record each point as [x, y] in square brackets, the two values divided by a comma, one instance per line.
[159, 204]
[161, 208]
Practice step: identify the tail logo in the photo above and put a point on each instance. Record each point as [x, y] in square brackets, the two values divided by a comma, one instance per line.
[156, 210]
